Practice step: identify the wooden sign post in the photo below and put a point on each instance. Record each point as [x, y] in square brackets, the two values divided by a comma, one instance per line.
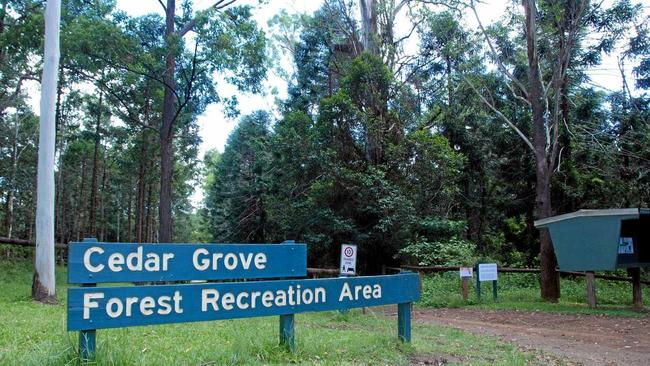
[466, 274]
[92, 308]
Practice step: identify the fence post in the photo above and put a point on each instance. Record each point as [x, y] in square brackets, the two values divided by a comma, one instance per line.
[464, 288]
[591, 289]
[404, 322]
[637, 295]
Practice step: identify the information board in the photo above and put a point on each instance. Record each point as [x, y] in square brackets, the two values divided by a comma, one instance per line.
[348, 259]
[114, 307]
[94, 262]
[487, 272]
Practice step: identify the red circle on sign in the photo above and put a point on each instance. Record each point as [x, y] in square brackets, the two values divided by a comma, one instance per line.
[349, 252]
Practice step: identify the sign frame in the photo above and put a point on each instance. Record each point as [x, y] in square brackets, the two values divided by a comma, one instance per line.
[348, 265]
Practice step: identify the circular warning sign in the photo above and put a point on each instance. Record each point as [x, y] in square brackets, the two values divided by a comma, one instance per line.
[349, 252]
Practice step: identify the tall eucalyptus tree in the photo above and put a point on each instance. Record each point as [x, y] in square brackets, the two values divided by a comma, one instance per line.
[44, 285]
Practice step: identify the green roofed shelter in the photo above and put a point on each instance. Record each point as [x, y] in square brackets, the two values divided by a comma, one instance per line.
[594, 240]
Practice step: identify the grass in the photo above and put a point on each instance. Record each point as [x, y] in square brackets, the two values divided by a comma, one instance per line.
[34, 334]
[521, 291]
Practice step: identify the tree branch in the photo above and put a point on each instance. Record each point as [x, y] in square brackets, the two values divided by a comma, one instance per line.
[163, 5]
[501, 115]
[106, 88]
[144, 74]
[190, 83]
[7, 102]
[220, 4]
[496, 57]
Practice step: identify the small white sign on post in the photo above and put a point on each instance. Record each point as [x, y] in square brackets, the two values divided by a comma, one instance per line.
[348, 260]
[626, 246]
[466, 272]
[487, 272]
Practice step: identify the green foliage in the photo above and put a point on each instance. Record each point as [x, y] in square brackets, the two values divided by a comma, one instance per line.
[439, 242]
[230, 42]
[353, 174]
[450, 252]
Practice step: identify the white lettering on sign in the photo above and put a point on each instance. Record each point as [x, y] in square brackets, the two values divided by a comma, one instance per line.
[87, 263]
[99, 304]
[89, 303]
[366, 291]
[487, 272]
[212, 300]
[141, 261]
[116, 307]
[203, 261]
[136, 261]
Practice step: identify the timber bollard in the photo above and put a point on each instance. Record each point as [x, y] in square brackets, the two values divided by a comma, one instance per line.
[637, 294]
[464, 288]
[591, 289]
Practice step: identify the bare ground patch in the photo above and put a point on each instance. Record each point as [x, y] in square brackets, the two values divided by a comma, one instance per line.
[579, 339]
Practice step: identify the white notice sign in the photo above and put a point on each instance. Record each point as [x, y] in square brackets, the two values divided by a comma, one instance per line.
[487, 272]
[626, 246]
[348, 259]
[466, 272]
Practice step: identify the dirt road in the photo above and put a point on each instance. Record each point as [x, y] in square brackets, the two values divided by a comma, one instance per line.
[579, 339]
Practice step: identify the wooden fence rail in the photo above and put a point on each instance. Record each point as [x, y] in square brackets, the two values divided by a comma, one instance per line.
[26, 243]
[322, 271]
[435, 269]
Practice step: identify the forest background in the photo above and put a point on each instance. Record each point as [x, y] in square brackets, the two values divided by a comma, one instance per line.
[408, 129]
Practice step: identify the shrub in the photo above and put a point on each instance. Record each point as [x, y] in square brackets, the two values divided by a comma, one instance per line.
[450, 252]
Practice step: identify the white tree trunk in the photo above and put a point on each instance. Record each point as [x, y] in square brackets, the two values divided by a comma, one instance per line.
[43, 287]
[369, 26]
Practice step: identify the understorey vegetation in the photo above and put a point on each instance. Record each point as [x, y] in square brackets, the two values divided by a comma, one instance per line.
[520, 291]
